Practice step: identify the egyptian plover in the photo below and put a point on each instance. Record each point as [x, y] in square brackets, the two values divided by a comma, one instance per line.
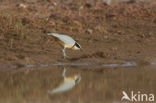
[66, 42]
[67, 84]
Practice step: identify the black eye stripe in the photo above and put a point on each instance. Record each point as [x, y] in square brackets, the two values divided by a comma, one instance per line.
[77, 45]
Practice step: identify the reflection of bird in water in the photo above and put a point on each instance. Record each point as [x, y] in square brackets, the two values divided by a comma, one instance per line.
[66, 42]
[68, 83]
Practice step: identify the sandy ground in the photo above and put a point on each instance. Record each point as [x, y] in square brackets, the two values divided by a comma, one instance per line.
[108, 34]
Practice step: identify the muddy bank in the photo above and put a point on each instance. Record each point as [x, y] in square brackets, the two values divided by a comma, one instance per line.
[108, 34]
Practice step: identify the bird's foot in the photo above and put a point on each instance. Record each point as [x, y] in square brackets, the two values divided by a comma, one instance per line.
[65, 56]
[64, 73]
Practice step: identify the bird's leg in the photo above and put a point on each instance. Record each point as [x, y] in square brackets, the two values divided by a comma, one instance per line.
[64, 53]
[64, 73]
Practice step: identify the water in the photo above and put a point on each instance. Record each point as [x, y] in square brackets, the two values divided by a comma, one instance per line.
[99, 83]
[126, 64]
[67, 84]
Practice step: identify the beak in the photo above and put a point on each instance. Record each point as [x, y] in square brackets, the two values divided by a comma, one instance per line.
[81, 49]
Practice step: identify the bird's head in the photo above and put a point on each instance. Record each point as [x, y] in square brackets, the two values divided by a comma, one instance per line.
[77, 46]
[77, 78]
[49, 33]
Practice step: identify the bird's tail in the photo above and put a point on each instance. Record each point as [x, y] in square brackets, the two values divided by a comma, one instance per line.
[53, 34]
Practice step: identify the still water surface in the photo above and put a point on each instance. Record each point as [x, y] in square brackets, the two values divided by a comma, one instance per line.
[82, 83]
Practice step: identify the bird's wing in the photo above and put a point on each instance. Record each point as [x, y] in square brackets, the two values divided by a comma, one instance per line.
[64, 38]
[63, 87]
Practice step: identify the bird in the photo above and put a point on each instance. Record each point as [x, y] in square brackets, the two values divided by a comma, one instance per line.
[66, 42]
[68, 83]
